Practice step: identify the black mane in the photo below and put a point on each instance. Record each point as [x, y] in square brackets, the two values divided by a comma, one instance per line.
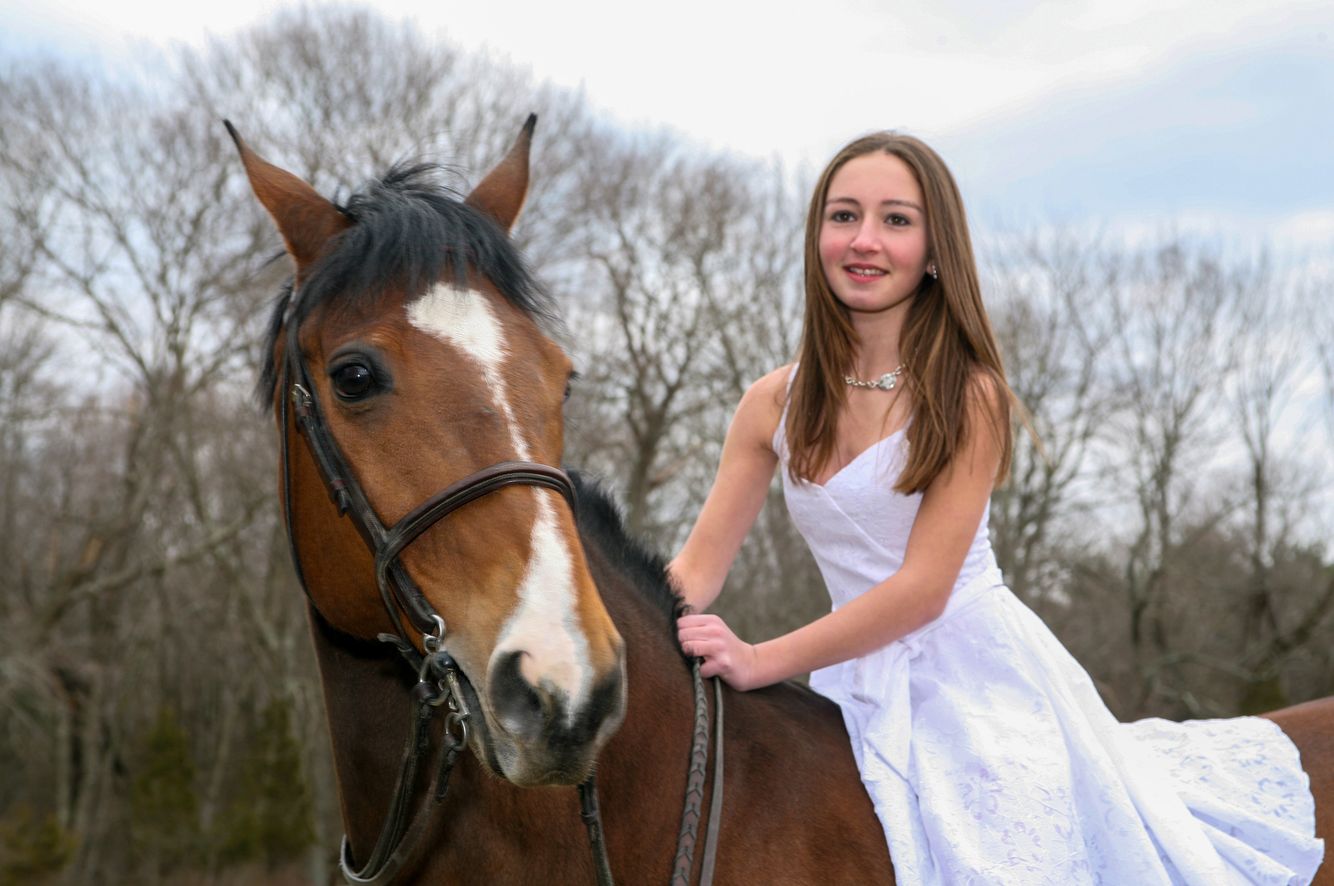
[600, 522]
[409, 231]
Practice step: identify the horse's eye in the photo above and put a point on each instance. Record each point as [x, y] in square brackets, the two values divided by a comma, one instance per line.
[352, 381]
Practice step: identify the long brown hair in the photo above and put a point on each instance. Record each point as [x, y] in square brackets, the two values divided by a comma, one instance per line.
[946, 336]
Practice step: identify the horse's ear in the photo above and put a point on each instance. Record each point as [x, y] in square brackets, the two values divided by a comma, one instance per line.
[501, 194]
[306, 220]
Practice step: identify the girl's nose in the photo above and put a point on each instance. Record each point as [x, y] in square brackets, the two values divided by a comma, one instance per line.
[865, 240]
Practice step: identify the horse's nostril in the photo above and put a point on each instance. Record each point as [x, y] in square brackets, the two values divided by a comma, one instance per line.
[522, 708]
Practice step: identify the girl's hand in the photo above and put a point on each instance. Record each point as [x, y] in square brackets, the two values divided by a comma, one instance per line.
[725, 655]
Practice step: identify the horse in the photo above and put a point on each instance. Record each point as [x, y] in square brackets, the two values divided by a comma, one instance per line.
[412, 353]
[423, 358]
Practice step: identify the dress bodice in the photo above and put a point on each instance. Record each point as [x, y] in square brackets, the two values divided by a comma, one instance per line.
[857, 525]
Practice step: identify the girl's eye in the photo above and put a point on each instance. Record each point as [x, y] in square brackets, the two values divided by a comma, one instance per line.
[898, 220]
[840, 215]
[352, 381]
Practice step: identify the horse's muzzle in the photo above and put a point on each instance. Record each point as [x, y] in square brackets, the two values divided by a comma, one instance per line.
[540, 739]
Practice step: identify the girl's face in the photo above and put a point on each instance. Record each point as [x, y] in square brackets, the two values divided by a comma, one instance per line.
[873, 245]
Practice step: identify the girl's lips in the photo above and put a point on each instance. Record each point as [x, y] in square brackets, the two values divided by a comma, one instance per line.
[864, 272]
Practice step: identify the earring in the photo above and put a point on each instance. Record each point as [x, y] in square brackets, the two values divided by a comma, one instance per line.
[932, 272]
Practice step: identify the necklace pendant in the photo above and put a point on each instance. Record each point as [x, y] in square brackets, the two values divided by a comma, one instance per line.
[887, 382]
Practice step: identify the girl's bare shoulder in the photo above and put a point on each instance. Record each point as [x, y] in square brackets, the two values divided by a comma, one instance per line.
[762, 405]
[772, 386]
[986, 396]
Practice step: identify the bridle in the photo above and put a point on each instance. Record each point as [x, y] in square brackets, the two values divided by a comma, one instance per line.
[398, 592]
[439, 679]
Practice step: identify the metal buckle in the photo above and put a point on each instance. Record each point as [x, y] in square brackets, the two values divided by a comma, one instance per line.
[458, 710]
[432, 642]
[301, 399]
[437, 690]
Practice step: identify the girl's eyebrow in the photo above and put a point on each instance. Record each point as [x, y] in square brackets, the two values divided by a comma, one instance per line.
[850, 200]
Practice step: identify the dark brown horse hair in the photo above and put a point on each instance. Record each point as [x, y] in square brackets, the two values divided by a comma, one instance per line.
[410, 231]
[601, 523]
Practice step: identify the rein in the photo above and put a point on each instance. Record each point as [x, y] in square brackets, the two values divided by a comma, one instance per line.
[699, 761]
[438, 676]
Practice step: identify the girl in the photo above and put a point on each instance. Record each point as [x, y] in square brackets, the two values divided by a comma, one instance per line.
[985, 748]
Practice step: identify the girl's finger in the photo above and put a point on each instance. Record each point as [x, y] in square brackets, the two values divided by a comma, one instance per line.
[705, 648]
[700, 633]
[691, 637]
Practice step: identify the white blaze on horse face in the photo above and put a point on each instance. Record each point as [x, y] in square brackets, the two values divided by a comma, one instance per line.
[464, 319]
[544, 624]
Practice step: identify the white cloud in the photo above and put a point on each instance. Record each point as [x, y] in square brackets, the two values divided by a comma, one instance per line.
[738, 75]
[1082, 107]
[1307, 230]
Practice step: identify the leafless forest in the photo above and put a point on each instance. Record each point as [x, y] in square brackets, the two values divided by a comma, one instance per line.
[161, 712]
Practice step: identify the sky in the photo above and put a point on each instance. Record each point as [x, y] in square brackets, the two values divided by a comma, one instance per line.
[1138, 114]
[1134, 118]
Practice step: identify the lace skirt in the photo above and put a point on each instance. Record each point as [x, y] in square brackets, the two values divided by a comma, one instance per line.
[991, 759]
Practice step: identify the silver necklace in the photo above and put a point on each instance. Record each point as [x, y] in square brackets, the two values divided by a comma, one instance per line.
[886, 382]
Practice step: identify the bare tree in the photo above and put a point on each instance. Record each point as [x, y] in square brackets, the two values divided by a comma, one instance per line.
[1271, 360]
[1316, 292]
[1170, 358]
[136, 276]
[690, 291]
[663, 266]
[1054, 331]
[342, 94]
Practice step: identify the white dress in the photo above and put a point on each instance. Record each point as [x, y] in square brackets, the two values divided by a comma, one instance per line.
[989, 755]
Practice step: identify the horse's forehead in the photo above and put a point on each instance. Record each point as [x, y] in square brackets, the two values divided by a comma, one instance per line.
[465, 318]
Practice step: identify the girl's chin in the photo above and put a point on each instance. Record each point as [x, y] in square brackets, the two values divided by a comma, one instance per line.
[875, 305]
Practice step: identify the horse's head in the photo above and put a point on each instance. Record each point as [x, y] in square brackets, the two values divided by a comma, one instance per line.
[420, 362]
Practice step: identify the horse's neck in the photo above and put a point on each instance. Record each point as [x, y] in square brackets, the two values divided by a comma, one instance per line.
[368, 708]
[366, 688]
[642, 772]
[488, 830]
